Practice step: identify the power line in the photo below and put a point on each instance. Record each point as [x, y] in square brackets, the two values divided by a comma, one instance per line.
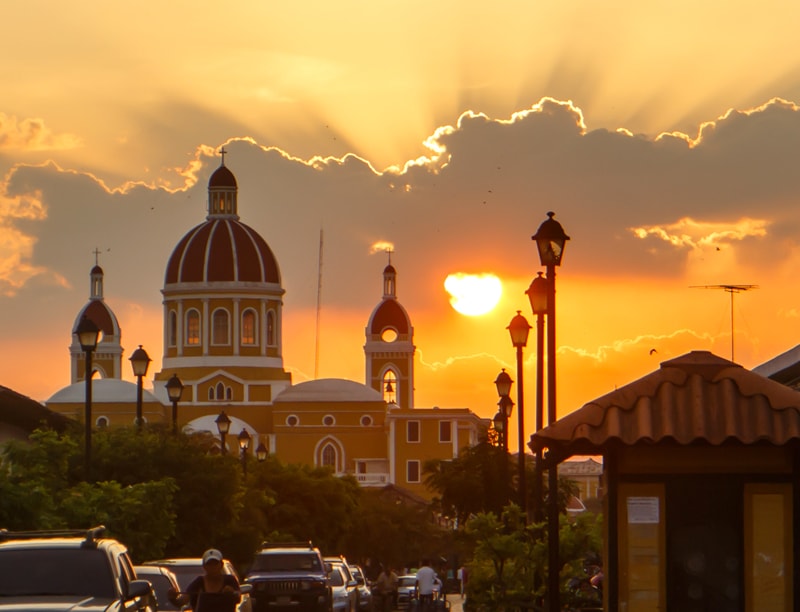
[730, 289]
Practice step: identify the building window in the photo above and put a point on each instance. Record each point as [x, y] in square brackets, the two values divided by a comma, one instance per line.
[328, 420]
[366, 420]
[249, 334]
[412, 470]
[193, 327]
[445, 431]
[271, 337]
[412, 431]
[220, 392]
[329, 456]
[220, 327]
[292, 421]
[390, 387]
[102, 422]
[173, 328]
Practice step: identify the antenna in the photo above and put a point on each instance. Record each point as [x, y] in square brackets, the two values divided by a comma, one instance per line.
[730, 289]
[319, 307]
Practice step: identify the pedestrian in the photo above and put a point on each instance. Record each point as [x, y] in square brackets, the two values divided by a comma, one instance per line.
[383, 590]
[212, 591]
[463, 576]
[426, 578]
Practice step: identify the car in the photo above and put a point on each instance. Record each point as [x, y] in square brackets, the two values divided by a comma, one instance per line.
[162, 580]
[289, 576]
[363, 588]
[187, 569]
[407, 590]
[65, 570]
[349, 589]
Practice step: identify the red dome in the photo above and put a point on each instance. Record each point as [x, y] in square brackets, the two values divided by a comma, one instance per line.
[391, 314]
[222, 177]
[222, 250]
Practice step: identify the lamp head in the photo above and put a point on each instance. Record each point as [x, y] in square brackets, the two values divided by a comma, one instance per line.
[174, 388]
[506, 406]
[140, 361]
[519, 328]
[499, 422]
[537, 295]
[503, 383]
[88, 334]
[550, 240]
[261, 452]
[244, 439]
[223, 423]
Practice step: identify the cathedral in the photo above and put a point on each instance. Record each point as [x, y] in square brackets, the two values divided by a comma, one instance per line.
[222, 321]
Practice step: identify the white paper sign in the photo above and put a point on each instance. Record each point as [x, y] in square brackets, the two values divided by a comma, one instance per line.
[643, 510]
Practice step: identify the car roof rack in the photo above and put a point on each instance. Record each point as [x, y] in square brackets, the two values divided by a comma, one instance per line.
[307, 544]
[89, 535]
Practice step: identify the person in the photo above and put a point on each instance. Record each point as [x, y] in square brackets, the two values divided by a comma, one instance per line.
[463, 576]
[426, 578]
[212, 591]
[383, 590]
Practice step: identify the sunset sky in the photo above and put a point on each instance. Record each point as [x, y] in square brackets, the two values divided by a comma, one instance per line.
[664, 135]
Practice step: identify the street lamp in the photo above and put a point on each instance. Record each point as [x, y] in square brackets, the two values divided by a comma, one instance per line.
[244, 444]
[88, 335]
[550, 240]
[174, 391]
[261, 452]
[537, 295]
[140, 361]
[519, 329]
[223, 425]
[506, 407]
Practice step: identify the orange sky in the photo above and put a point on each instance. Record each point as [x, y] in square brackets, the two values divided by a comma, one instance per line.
[664, 137]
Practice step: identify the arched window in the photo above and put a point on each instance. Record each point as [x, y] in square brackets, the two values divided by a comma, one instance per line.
[211, 393]
[271, 338]
[172, 332]
[220, 391]
[249, 332]
[220, 327]
[390, 387]
[193, 327]
[329, 456]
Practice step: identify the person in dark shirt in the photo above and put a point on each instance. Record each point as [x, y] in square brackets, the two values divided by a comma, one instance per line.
[213, 591]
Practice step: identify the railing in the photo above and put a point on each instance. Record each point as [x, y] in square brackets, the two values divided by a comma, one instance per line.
[372, 479]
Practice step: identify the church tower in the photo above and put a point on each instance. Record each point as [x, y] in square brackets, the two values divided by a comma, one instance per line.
[389, 349]
[107, 359]
[223, 304]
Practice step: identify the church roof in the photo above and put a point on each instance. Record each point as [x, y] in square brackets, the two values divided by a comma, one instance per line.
[104, 390]
[329, 390]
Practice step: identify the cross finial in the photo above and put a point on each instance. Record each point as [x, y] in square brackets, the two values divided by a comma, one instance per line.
[96, 256]
[389, 252]
[222, 152]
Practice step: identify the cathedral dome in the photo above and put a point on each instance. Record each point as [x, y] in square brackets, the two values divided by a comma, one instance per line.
[222, 249]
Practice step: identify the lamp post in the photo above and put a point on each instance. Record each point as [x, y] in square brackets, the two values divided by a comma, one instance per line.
[140, 361]
[550, 240]
[88, 335]
[223, 425]
[174, 391]
[537, 295]
[244, 444]
[519, 329]
[505, 408]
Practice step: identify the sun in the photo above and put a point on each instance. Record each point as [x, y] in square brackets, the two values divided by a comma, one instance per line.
[473, 294]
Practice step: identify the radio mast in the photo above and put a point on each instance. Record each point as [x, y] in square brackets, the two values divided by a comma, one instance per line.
[319, 308]
[730, 289]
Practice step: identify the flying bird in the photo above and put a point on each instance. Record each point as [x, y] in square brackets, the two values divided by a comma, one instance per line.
[653, 351]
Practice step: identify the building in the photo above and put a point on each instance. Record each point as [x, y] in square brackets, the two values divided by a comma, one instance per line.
[223, 314]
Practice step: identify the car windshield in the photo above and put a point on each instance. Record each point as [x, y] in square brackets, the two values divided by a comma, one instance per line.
[288, 562]
[62, 571]
[337, 579]
[408, 581]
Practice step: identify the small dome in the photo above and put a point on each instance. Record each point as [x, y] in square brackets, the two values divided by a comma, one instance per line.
[104, 391]
[329, 390]
[97, 270]
[101, 315]
[389, 314]
[389, 269]
[222, 177]
[222, 250]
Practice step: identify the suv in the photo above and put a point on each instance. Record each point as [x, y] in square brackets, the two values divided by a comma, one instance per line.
[69, 570]
[289, 576]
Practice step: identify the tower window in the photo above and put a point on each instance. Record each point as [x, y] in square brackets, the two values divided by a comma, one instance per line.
[271, 341]
[390, 387]
[173, 328]
[328, 420]
[249, 334]
[220, 327]
[193, 327]
[412, 431]
[366, 420]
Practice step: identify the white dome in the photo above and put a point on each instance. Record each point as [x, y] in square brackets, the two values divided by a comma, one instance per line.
[104, 390]
[329, 390]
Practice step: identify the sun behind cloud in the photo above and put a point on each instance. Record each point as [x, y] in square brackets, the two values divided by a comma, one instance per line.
[473, 294]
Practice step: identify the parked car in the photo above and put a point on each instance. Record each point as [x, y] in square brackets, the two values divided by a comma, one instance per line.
[187, 569]
[407, 590]
[162, 580]
[363, 588]
[289, 576]
[345, 595]
[61, 571]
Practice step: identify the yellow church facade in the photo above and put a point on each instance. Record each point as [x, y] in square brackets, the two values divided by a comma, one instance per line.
[223, 311]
